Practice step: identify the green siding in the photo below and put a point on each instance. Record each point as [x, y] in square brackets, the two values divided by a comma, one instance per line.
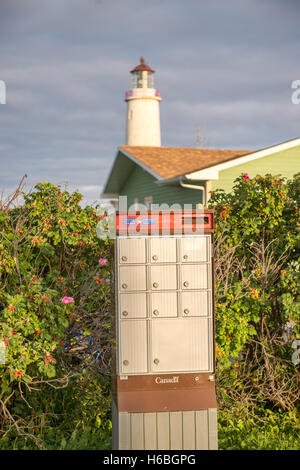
[141, 184]
[285, 163]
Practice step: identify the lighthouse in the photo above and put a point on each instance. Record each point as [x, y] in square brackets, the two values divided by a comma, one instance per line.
[143, 120]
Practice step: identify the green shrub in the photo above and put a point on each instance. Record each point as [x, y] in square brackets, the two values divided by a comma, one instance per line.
[242, 428]
[54, 306]
[257, 291]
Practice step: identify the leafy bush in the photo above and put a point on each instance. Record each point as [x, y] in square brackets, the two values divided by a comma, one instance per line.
[54, 303]
[257, 290]
[243, 428]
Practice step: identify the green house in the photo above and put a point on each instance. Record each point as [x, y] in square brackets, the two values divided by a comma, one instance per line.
[167, 175]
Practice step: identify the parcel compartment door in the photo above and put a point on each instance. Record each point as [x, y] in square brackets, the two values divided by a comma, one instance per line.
[133, 347]
[181, 345]
[132, 278]
[132, 250]
[195, 249]
[163, 250]
[195, 276]
[164, 304]
[163, 277]
[196, 303]
[133, 305]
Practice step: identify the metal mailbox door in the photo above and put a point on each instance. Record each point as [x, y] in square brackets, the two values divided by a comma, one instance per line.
[132, 278]
[195, 276]
[181, 344]
[164, 304]
[132, 250]
[133, 347]
[196, 249]
[196, 304]
[133, 305]
[163, 277]
[163, 250]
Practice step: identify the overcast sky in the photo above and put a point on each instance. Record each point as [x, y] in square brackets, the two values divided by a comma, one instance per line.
[226, 66]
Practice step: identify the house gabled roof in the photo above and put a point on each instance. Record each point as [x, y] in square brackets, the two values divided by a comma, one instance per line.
[169, 162]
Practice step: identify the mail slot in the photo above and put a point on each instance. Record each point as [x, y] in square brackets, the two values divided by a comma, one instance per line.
[164, 331]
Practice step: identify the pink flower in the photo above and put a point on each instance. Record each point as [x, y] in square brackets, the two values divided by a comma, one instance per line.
[102, 261]
[246, 176]
[67, 300]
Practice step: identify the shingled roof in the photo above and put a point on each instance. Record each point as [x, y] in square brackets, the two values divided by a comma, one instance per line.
[169, 162]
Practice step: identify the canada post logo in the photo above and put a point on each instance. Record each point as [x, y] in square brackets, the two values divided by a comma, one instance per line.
[138, 221]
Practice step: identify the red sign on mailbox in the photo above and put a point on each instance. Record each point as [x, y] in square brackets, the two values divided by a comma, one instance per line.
[164, 222]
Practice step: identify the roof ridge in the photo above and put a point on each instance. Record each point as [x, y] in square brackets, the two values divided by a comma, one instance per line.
[185, 148]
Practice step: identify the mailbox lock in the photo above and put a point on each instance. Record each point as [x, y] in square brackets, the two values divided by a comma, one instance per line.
[125, 313]
[186, 284]
[155, 257]
[185, 256]
[124, 258]
[125, 362]
[156, 361]
[124, 286]
[186, 311]
[155, 284]
[155, 312]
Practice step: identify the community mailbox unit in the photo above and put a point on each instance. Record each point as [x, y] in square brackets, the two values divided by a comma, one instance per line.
[163, 381]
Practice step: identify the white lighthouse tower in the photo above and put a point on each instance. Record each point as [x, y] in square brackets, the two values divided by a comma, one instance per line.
[143, 121]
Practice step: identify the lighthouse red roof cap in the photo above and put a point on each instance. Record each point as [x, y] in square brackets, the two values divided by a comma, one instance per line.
[142, 67]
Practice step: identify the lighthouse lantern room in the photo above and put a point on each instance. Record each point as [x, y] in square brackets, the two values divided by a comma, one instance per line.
[143, 119]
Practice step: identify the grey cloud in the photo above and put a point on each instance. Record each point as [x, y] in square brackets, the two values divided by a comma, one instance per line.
[227, 66]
